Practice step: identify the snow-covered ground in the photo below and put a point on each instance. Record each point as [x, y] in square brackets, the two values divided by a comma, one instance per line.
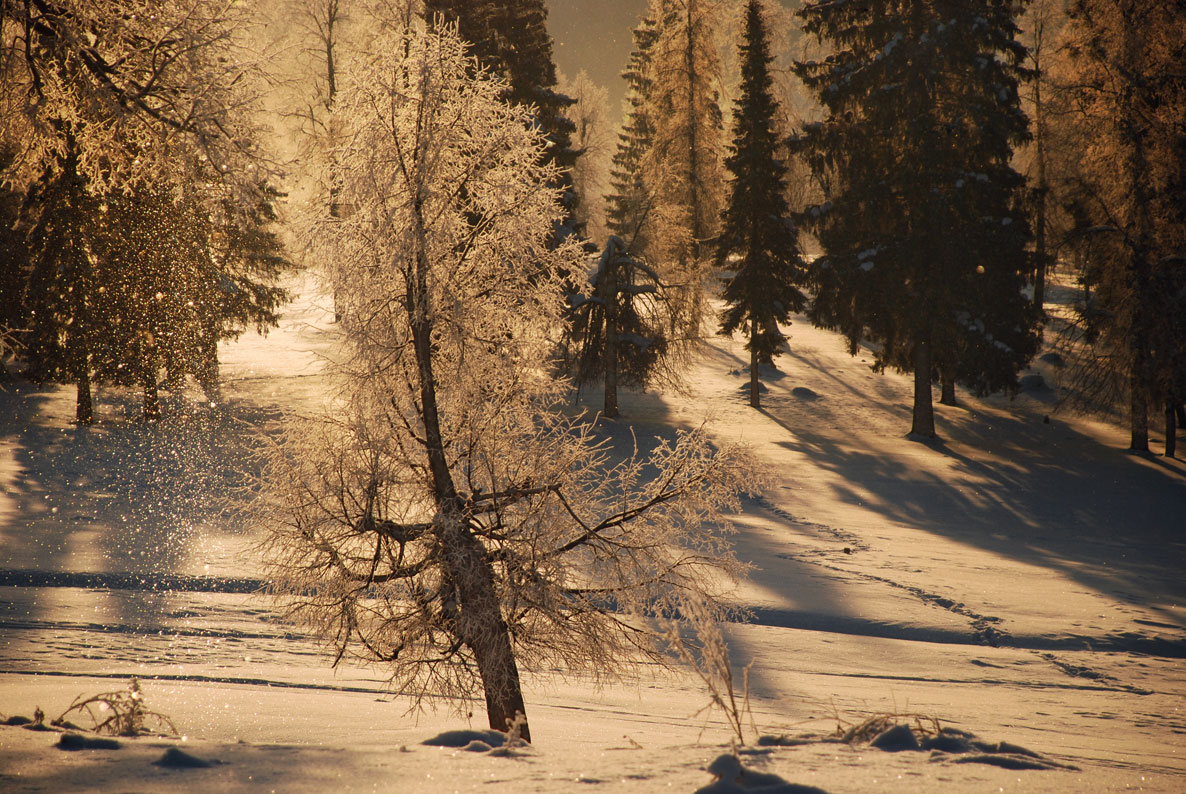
[1022, 580]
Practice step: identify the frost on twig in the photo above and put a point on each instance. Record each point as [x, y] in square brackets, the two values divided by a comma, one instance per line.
[120, 713]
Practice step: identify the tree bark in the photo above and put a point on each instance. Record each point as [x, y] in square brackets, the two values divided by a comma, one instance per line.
[947, 387]
[1139, 415]
[1040, 254]
[1171, 430]
[152, 398]
[755, 399]
[84, 410]
[924, 410]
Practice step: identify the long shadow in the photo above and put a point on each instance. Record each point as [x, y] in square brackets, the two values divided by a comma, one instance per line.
[780, 574]
[1043, 494]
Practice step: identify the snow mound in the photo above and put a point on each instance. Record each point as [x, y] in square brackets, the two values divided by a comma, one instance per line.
[733, 778]
[179, 759]
[465, 737]
[804, 393]
[76, 741]
[1053, 359]
[1033, 382]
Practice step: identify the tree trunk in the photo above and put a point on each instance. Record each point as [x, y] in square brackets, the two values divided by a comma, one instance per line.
[208, 375]
[611, 298]
[84, 410]
[1041, 190]
[1140, 415]
[947, 387]
[486, 634]
[479, 624]
[152, 398]
[755, 399]
[924, 410]
[1171, 430]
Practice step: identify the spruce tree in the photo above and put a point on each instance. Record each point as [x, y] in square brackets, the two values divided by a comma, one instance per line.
[62, 290]
[510, 38]
[758, 238]
[628, 209]
[618, 329]
[925, 232]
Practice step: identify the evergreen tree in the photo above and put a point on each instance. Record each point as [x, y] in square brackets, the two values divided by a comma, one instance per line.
[109, 99]
[924, 234]
[1129, 90]
[510, 38]
[629, 204]
[129, 283]
[619, 329]
[757, 231]
[14, 265]
[148, 252]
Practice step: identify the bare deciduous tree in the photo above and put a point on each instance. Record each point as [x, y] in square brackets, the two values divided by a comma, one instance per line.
[447, 521]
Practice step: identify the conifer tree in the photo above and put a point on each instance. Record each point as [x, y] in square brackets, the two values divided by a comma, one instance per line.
[62, 291]
[757, 231]
[629, 207]
[510, 38]
[1129, 91]
[619, 328]
[106, 99]
[924, 234]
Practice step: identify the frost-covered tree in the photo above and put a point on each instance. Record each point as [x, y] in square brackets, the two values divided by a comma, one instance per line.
[1129, 95]
[758, 238]
[129, 87]
[618, 328]
[1041, 24]
[592, 139]
[682, 168]
[445, 520]
[107, 98]
[925, 230]
[60, 291]
[629, 204]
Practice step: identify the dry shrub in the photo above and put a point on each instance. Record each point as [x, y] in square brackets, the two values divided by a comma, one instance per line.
[121, 713]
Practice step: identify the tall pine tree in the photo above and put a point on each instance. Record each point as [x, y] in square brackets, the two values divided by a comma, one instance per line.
[683, 166]
[925, 232]
[757, 235]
